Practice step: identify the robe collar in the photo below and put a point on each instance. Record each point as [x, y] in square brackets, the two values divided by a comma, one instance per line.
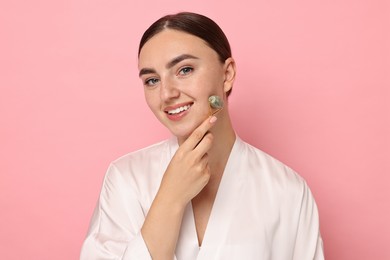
[227, 197]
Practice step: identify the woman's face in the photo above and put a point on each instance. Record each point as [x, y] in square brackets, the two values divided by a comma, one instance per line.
[179, 72]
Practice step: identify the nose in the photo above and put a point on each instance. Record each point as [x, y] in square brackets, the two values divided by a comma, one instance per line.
[168, 91]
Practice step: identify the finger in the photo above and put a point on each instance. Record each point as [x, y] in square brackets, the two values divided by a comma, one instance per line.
[206, 175]
[201, 166]
[203, 146]
[198, 134]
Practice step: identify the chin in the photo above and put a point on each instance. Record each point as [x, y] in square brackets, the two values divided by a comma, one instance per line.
[182, 132]
[182, 129]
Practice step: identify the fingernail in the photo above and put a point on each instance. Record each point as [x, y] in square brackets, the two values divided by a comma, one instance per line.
[213, 119]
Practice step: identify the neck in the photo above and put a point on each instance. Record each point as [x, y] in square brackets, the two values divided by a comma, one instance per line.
[218, 155]
[224, 138]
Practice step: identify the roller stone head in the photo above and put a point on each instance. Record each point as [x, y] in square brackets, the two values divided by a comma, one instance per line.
[216, 102]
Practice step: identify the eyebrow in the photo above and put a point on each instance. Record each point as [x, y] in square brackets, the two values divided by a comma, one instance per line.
[169, 65]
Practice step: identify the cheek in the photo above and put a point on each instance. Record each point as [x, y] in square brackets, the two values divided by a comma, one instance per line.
[214, 79]
[211, 86]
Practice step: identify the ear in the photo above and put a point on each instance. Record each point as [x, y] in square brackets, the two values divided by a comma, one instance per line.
[230, 74]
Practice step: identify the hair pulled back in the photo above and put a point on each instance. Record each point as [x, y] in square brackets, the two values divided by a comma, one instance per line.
[195, 24]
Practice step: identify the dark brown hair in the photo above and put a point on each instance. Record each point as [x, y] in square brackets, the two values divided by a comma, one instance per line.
[195, 24]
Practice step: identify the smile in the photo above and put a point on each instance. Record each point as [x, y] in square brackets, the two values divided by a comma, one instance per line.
[178, 110]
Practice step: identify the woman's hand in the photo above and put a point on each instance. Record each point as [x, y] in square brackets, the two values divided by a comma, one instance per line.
[188, 172]
[186, 175]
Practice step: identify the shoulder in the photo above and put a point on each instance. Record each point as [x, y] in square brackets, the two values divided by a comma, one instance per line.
[267, 170]
[145, 155]
[143, 167]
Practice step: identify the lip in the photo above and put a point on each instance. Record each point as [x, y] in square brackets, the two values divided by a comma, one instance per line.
[178, 116]
[169, 108]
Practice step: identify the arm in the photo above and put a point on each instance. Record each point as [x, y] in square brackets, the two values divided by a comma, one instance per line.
[116, 222]
[186, 175]
[115, 230]
[308, 244]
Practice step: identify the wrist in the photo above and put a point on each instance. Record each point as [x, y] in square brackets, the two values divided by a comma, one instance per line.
[171, 202]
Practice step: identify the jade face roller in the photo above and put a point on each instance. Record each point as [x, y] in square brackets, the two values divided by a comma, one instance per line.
[216, 104]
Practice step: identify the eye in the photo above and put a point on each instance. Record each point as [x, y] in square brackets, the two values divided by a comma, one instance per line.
[186, 70]
[151, 82]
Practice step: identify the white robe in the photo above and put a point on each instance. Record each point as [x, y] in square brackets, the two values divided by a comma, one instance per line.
[263, 210]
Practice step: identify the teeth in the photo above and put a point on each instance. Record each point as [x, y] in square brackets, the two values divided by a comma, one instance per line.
[178, 110]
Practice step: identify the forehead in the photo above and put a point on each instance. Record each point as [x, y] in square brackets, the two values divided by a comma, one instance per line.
[170, 43]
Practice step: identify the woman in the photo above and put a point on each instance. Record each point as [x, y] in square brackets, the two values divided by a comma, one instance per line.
[204, 193]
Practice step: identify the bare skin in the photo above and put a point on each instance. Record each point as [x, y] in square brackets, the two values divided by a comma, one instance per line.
[198, 179]
[196, 169]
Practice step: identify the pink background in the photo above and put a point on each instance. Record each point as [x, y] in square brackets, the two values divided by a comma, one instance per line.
[312, 90]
